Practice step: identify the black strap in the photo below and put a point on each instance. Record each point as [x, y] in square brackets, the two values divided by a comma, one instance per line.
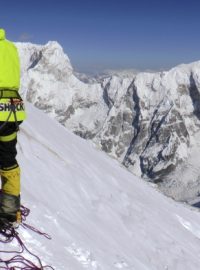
[14, 112]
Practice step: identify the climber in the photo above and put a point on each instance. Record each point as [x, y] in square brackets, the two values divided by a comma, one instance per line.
[12, 114]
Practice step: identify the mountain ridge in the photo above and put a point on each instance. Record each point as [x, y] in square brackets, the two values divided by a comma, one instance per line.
[149, 122]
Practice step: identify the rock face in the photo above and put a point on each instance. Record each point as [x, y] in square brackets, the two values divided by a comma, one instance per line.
[150, 122]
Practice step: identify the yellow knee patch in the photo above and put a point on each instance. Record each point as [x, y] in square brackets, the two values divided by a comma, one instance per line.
[11, 181]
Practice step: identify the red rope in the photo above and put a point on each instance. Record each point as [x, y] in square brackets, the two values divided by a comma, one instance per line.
[27, 226]
[8, 234]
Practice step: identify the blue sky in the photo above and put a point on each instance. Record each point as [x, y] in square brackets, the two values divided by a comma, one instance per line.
[101, 34]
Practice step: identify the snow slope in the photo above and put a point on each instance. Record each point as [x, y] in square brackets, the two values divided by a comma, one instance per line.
[99, 215]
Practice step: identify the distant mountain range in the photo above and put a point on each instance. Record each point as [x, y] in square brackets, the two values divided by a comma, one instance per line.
[150, 122]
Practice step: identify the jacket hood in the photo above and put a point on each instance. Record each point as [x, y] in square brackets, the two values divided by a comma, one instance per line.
[2, 34]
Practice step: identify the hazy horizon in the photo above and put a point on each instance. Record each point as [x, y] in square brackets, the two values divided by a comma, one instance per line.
[99, 35]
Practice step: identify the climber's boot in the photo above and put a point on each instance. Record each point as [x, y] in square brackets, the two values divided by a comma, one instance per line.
[10, 195]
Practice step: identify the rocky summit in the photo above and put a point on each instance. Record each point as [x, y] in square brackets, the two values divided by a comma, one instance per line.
[150, 122]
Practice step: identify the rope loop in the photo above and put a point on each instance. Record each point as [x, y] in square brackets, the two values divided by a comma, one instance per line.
[8, 233]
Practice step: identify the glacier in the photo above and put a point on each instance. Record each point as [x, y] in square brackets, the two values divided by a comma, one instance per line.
[100, 216]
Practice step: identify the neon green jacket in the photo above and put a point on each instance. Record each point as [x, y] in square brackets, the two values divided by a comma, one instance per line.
[9, 79]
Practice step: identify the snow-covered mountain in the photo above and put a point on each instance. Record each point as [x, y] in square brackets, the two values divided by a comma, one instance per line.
[148, 121]
[99, 215]
[49, 83]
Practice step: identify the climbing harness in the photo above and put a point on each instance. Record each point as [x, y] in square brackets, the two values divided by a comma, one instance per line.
[15, 98]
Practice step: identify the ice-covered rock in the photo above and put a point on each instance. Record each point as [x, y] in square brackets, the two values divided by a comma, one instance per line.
[49, 83]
